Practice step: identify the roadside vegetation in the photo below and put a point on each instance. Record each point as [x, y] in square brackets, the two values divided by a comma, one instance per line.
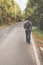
[6, 25]
[9, 12]
[38, 32]
[34, 12]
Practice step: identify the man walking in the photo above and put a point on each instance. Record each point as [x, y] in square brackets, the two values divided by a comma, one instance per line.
[28, 29]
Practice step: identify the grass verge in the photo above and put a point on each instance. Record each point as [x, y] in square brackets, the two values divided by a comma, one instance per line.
[38, 32]
[3, 26]
[38, 36]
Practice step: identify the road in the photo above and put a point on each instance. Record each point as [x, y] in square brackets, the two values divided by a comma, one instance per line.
[5, 31]
[14, 50]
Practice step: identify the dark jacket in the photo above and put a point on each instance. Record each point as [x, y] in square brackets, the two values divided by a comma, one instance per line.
[28, 26]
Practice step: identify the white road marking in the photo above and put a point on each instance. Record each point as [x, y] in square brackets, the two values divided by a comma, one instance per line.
[36, 55]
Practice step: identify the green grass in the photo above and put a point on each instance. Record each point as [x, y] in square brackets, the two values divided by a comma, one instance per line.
[38, 32]
[3, 26]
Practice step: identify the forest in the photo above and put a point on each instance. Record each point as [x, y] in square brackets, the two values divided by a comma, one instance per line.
[34, 12]
[10, 12]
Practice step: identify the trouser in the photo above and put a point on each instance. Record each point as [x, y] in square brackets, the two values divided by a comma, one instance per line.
[28, 36]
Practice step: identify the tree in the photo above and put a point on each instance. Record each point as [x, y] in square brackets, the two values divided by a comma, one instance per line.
[9, 11]
[34, 11]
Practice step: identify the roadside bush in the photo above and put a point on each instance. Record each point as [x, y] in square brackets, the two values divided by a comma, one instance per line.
[41, 25]
[1, 21]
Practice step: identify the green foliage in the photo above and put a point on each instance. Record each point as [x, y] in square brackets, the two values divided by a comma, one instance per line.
[34, 12]
[38, 32]
[1, 21]
[9, 11]
[41, 25]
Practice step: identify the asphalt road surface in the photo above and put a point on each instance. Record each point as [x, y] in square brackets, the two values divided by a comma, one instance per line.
[14, 50]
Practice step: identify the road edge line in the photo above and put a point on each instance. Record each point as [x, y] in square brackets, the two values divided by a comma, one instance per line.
[36, 54]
